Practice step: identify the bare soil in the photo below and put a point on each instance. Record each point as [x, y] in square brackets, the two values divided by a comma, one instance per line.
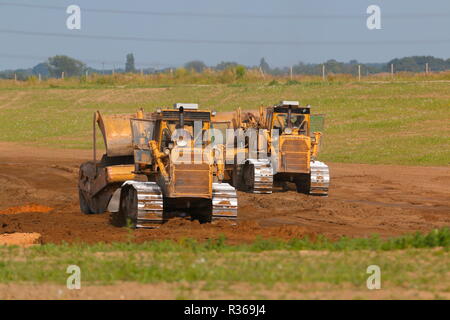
[38, 193]
[165, 291]
[20, 239]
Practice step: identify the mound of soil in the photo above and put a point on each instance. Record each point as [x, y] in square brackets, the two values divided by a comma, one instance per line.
[26, 208]
[20, 239]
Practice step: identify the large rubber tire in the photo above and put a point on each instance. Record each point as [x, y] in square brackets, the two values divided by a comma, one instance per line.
[84, 205]
[85, 172]
[97, 203]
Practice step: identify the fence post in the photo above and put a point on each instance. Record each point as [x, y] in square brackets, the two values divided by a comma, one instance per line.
[62, 75]
[262, 72]
[291, 72]
[392, 70]
[323, 72]
[359, 72]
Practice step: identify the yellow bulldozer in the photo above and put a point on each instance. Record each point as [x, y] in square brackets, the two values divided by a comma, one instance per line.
[288, 138]
[157, 165]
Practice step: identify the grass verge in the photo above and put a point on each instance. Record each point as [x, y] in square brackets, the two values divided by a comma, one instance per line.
[263, 262]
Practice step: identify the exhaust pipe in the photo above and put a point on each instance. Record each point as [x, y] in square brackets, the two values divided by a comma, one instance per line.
[289, 122]
[181, 118]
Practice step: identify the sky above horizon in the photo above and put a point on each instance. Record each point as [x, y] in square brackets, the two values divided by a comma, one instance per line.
[172, 32]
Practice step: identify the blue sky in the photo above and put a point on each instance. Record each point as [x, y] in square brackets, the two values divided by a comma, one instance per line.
[283, 31]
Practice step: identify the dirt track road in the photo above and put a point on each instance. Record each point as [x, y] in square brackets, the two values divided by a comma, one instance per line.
[364, 199]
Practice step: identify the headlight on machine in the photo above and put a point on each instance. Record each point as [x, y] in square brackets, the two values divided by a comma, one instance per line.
[288, 130]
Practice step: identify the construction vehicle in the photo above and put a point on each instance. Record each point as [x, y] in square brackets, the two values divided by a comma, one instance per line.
[284, 132]
[165, 166]
[99, 180]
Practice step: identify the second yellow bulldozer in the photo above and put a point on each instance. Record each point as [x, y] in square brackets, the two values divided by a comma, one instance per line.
[288, 138]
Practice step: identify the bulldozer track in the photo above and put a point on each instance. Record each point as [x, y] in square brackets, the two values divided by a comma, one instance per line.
[320, 178]
[262, 176]
[224, 202]
[144, 203]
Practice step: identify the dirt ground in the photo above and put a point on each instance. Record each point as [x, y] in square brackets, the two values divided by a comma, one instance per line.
[164, 291]
[20, 239]
[364, 199]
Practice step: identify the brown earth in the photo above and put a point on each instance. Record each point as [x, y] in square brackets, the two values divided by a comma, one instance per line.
[196, 290]
[20, 239]
[26, 208]
[364, 199]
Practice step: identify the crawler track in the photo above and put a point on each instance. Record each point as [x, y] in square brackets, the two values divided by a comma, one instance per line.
[142, 202]
[261, 174]
[224, 202]
[320, 178]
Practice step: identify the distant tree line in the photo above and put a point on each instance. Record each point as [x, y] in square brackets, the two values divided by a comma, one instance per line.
[411, 64]
[417, 64]
[57, 66]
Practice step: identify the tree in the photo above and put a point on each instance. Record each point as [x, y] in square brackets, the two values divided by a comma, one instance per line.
[334, 66]
[70, 66]
[129, 65]
[225, 65]
[264, 65]
[195, 65]
[417, 64]
[240, 71]
[41, 69]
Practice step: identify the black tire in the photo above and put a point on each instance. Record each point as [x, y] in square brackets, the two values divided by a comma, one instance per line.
[86, 169]
[92, 204]
[84, 204]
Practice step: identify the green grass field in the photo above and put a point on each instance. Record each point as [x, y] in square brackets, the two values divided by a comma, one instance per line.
[215, 266]
[398, 122]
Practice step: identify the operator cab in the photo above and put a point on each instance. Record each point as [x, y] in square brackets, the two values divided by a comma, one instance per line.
[290, 118]
[164, 126]
[185, 116]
